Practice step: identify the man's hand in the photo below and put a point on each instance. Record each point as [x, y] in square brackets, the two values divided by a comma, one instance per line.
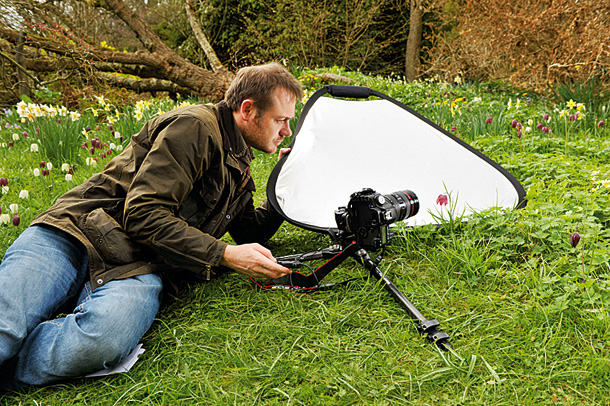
[253, 260]
[283, 151]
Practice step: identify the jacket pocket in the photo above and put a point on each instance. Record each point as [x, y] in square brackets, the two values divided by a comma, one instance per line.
[200, 204]
[109, 238]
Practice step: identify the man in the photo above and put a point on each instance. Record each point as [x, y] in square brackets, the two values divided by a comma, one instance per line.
[158, 208]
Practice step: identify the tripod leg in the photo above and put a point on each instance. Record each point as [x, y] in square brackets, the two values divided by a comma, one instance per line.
[425, 326]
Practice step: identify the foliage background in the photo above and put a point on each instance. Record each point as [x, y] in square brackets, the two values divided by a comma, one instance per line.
[548, 46]
[530, 44]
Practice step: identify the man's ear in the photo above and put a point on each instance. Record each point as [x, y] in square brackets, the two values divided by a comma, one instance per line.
[247, 109]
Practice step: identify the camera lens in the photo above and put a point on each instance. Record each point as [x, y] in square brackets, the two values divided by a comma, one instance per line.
[404, 204]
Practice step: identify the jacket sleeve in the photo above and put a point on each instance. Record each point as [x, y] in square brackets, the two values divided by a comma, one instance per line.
[255, 225]
[181, 149]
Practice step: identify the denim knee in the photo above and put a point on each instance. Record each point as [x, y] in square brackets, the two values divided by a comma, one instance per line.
[104, 328]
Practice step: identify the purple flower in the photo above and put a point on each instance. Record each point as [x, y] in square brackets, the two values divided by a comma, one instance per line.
[442, 199]
[539, 126]
[453, 129]
[11, 143]
[3, 182]
[514, 123]
[572, 117]
[574, 239]
[16, 220]
[546, 117]
[601, 124]
[25, 134]
[545, 129]
[489, 120]
[43, 164]
[519, 134]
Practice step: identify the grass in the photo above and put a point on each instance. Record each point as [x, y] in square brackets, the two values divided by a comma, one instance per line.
[526, 312]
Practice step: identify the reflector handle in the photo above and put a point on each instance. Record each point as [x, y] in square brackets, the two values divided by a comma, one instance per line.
[356, 92]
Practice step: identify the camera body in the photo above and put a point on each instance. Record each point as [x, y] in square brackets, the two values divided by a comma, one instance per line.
[369, 214]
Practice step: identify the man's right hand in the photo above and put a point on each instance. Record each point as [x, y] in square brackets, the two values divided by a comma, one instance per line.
[253, 260]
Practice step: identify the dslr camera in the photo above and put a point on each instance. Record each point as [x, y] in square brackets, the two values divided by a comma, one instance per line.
[368, 215]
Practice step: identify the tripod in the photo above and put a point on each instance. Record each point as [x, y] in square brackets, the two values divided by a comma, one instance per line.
[337, 254]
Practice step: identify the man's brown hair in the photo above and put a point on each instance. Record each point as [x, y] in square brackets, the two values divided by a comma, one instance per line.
[258, 83]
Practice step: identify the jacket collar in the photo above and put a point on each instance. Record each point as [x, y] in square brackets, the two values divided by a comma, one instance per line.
[239, 154]
[233, 141]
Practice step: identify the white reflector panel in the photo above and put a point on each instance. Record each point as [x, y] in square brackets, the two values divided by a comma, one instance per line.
[342, 146]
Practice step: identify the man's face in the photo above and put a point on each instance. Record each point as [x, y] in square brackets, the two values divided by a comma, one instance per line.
[266, 131]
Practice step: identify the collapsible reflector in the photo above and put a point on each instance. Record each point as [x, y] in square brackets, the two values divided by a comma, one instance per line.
[343, 146]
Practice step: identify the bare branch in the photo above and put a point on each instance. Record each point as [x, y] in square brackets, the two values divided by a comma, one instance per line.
[21, 68]
[202, 39]
[140, 85]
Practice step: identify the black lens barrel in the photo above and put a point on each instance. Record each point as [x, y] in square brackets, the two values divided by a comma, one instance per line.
[405, 202]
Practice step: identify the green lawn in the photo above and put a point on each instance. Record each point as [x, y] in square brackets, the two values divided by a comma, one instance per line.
[525, 310]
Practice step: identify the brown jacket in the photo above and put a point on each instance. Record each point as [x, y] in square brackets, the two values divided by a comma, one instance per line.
[164, 202]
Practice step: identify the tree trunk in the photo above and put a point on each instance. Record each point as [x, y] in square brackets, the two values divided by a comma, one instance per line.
[175, 68]
[414, 40]
[69, 52]
[21, 77]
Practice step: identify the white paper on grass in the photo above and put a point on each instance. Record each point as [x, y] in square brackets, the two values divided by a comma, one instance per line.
[344, 146]
[123, 366]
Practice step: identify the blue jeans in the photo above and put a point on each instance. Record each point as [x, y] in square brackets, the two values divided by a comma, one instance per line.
[44, 270]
